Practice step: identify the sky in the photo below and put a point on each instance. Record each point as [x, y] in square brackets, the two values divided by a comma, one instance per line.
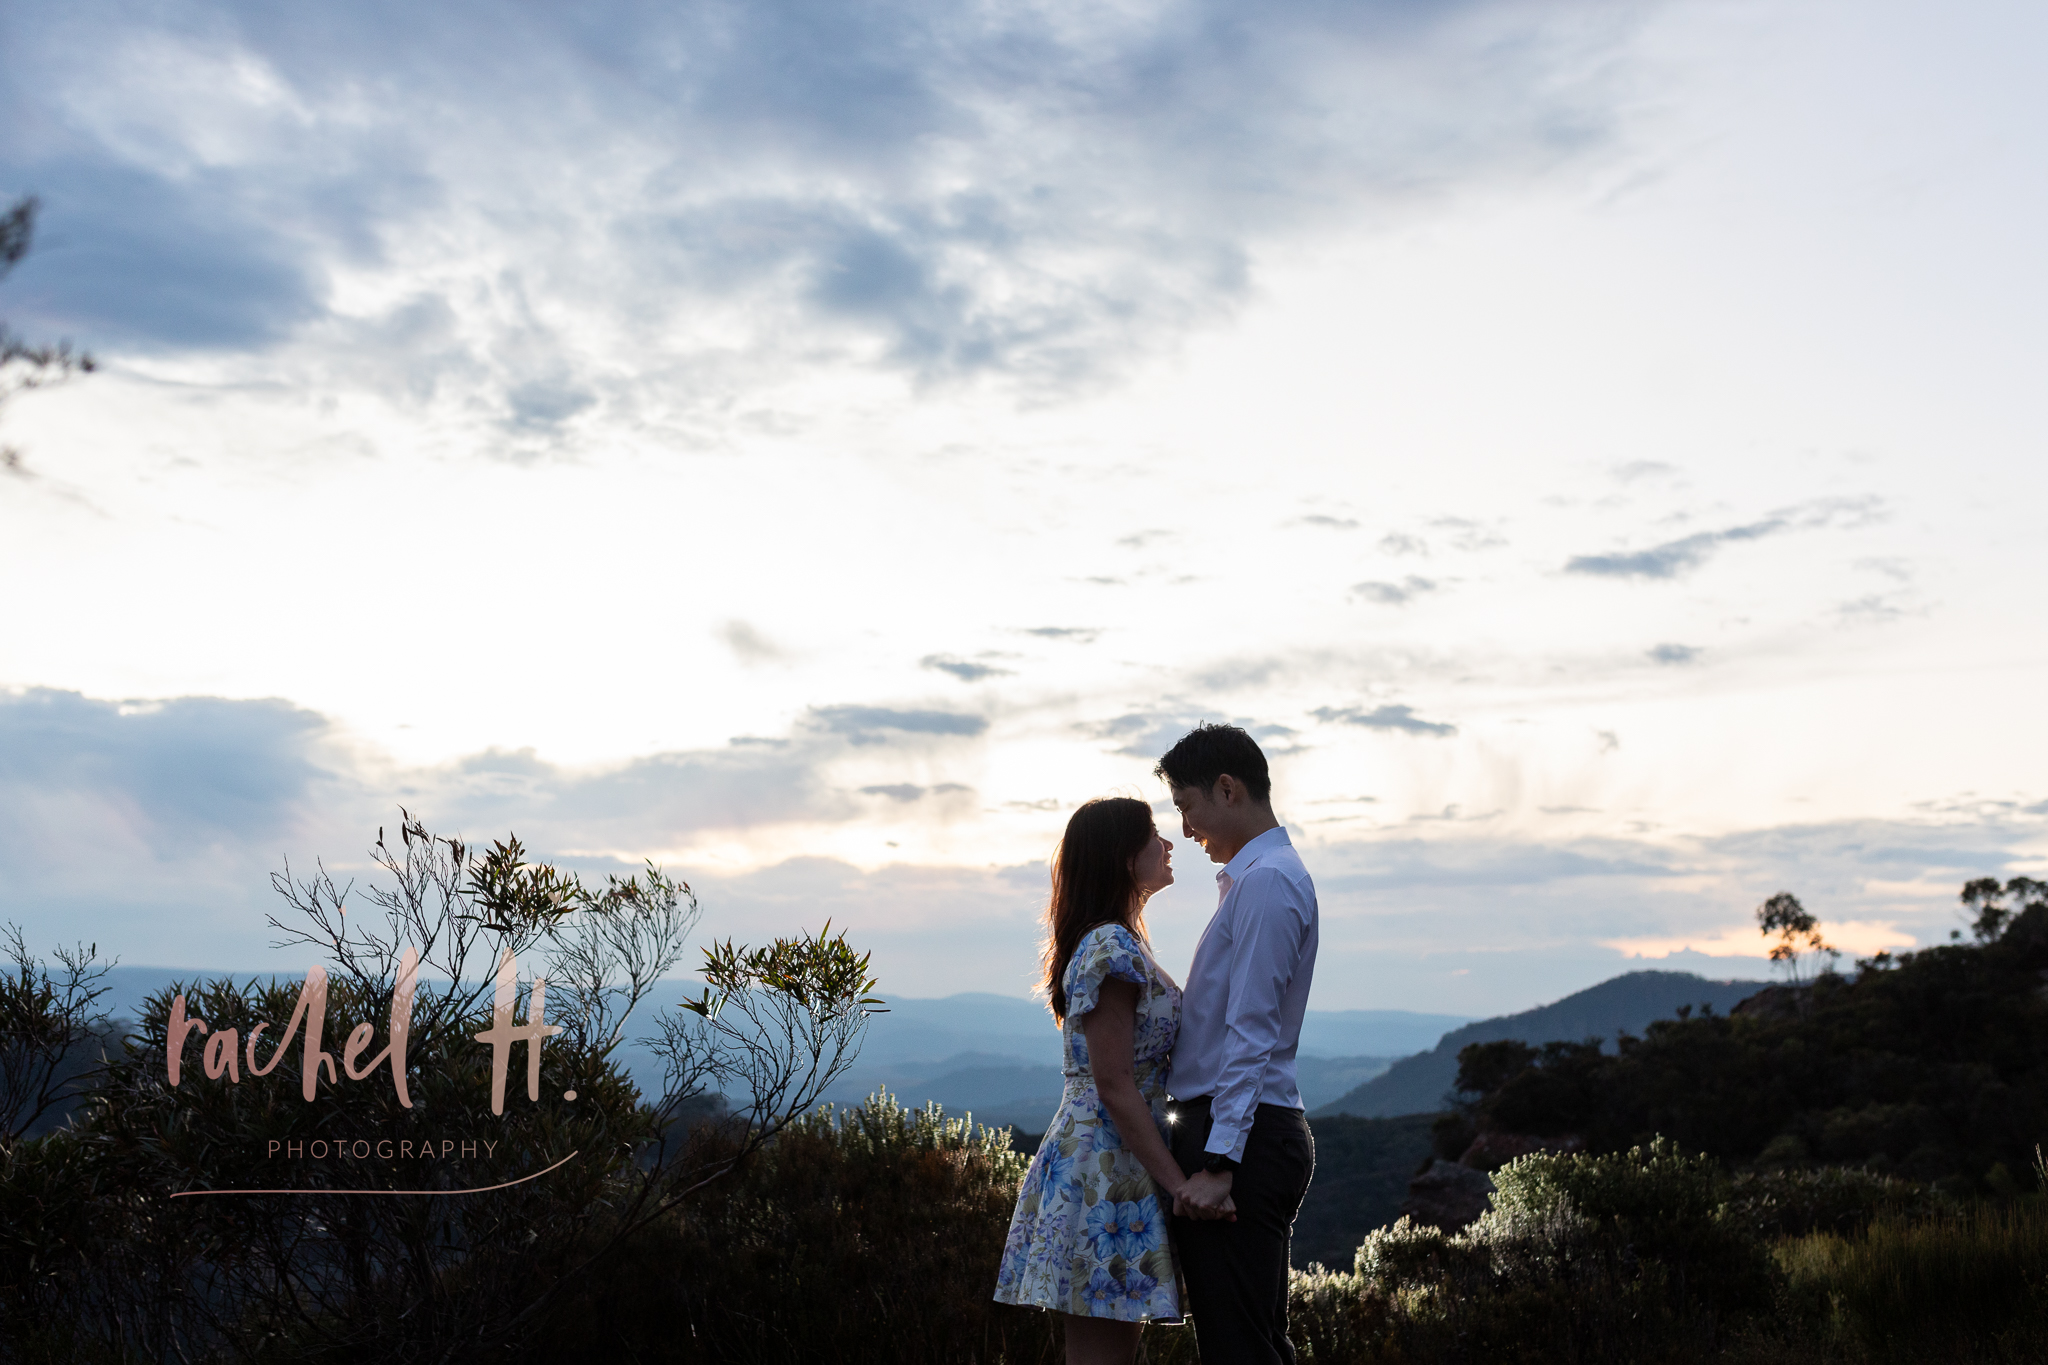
[1596, 448]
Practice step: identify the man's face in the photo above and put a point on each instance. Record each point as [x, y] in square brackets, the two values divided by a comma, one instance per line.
[1200, 817]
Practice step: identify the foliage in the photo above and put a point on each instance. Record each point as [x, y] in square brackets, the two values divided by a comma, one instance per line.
[1797, 932]
[104, 1239]
[811, 996]
[46, 1018]
[1579, 1257]
[1654, 1255]
[1974, 1280]
[1362, 1172]
[866, 1236]
[23, 366]
[1835, 1199]
[1932, 1066]
[1995, 907]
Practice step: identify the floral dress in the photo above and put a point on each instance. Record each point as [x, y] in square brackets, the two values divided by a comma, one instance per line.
[1089, 1234]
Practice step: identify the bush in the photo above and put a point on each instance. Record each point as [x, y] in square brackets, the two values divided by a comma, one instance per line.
[1974, 1279]
[869, 1236]
[291, 1261]
[1844, 1200]
[1626, 1256]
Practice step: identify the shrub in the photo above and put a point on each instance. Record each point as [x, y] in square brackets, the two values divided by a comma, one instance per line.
[1970, 1279]
[866, 1236]
[1838, 1199]
[1625, 1256]
[290, 1260]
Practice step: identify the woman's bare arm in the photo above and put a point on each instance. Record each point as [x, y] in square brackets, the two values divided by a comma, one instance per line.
[1109, 1029]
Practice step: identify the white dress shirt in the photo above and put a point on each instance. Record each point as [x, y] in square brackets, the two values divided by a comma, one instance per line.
[1247, 990]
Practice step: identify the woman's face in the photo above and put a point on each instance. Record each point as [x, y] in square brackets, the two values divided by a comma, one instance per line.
[1152, 869]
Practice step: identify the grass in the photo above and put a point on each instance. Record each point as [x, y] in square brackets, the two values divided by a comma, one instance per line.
[1969, 1285]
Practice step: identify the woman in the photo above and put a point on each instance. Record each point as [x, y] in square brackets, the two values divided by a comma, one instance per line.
[1089, 1235]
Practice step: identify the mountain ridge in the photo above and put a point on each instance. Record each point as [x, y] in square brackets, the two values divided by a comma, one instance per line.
[1627, 1003]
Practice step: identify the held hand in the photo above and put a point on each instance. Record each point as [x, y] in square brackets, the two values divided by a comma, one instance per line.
[1226, 1212]
[1206, 1196]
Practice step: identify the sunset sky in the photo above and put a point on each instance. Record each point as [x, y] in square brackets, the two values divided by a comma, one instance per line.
[1598, 448]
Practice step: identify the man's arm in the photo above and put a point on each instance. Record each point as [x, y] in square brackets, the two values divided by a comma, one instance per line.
[1271, 926]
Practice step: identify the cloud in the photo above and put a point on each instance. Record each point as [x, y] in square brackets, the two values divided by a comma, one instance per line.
[748, 645]
[905, 791]
[1327, 522]
[1396, 543]
[1635, 470]
[1858, 938]
[1673, 654]
[1398, 718]
[1148, 734]
[862, 724]
[1470, 862]
[1850, 513]
[1395, 594]
[1470, 535]
[1043, 193]
[152, 827]
[1871, 609]
[1674, 557]
[963, 669]
[1453, 814]
[1080, 635]
[138, 261]
[173, 777]
[188, 805]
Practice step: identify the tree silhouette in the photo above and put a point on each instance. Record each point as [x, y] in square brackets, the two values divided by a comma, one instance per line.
[1797, 932]
[1997, 906]
[23, 366]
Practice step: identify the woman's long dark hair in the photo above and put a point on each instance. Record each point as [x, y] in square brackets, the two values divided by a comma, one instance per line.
[1092, 882]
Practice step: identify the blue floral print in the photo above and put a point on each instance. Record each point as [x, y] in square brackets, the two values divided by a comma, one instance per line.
[1138, 1231]
[1103, 1228]
[1105, 1294]
[1089, 1234]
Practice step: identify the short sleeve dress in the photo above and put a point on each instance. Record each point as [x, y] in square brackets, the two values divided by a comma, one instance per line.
[1089, 1234]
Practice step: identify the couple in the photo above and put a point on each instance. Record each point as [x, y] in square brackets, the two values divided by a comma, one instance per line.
[1229, 1156]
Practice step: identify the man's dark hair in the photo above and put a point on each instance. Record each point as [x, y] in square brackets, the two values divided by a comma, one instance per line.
[1207, 752]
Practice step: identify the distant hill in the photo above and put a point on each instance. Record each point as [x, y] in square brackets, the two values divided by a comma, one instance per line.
[1419, 1084]
[1000, 1092]
[1932, 1066]
[1373, 1033]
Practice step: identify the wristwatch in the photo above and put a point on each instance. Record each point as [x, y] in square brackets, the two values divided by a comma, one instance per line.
[1219, 1164]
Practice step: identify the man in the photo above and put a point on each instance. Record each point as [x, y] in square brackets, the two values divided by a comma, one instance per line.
[1239, 1130]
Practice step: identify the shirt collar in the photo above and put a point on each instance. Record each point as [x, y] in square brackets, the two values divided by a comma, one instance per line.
[1253, 850]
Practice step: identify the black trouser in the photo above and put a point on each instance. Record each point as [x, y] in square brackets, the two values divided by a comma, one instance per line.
[1237, 1272]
